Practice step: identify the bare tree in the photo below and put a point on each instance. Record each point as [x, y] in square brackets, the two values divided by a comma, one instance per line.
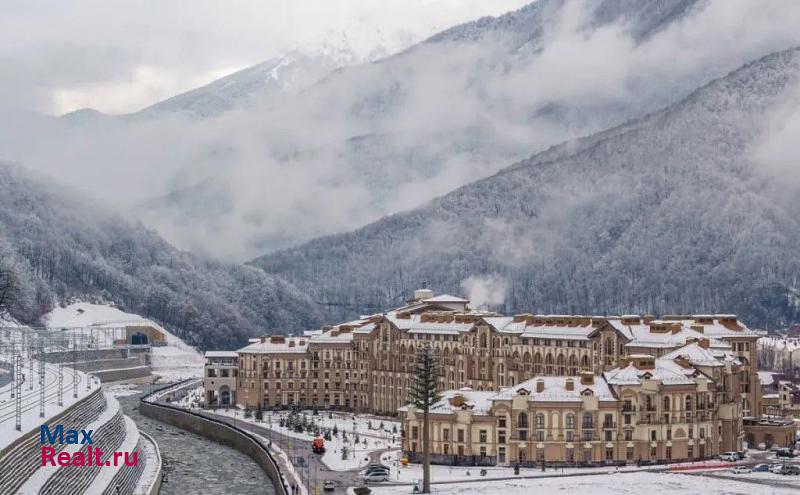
[425, 395]
[9, 289]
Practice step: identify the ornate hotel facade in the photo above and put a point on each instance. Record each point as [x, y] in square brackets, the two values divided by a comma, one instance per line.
[674, 387]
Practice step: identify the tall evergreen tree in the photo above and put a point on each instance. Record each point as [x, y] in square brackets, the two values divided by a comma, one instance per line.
[424, 395]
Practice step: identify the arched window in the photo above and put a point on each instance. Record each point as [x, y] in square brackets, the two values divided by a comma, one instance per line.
[585, 362]
[548, 364]
[540, 421]
[561, 364]
[666, 404]
[688, 402]
[537, 363]
[609, 346]
[648, 403]
[522, 420]
[588, 422]
[570, 421]
[224, 395]
[483, 340]
[573, 365]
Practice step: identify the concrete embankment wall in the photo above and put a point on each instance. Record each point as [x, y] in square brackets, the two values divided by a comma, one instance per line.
[219, 432]
[122, 374]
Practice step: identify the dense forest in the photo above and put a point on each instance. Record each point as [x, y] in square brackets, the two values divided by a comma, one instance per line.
[56, 246]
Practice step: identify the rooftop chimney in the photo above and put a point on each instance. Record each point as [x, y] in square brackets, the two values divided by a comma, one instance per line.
[539, 386]
[570, 385]
[587, 378]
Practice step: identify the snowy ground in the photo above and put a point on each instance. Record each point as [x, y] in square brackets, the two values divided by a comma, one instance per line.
[122, 389]
[192, 400]
[413, 472]
[175, 361]
[634, 483]
[371, 439]
[30, 399]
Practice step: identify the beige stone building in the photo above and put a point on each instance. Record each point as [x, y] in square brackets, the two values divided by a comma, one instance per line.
[219, 378]
[677, 407]
[367, 364]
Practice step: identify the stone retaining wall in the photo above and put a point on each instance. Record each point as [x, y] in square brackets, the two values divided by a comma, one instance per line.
[219, 432]
[123, 374]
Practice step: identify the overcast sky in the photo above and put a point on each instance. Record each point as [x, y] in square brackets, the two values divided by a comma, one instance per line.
[119, 56]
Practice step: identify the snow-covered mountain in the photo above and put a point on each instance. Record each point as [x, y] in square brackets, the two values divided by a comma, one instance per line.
[288, 73]
[370, 140]
[57, 246]
[373, 139]
[275, 77]
[689, 209]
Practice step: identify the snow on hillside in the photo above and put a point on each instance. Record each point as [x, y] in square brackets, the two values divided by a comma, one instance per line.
[90, 315]
[176, 361]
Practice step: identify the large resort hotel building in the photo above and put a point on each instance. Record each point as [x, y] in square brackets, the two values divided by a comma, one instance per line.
[522, 388]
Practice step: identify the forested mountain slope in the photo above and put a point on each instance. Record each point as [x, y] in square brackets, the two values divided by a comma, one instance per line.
[690, 209]
[60, 246]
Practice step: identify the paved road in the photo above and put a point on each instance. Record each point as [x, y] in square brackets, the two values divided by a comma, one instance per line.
[754, 459]
[308, 464]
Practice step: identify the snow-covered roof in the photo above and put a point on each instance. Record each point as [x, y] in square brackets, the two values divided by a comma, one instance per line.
[695, 354]
[414, 324]
[555, 389]
[221, 354]
[666, 370]
[446, 298]
[272, 345]
[558, 332]
[462, 399]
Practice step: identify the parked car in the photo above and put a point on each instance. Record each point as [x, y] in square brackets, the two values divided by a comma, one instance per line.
[741, 470]
[784, 453]
[328, 485]
[790, 469]
[376, 468]
[761, 468]
[741, 454]
[729, 456]
[776, 468]
[376, 477]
